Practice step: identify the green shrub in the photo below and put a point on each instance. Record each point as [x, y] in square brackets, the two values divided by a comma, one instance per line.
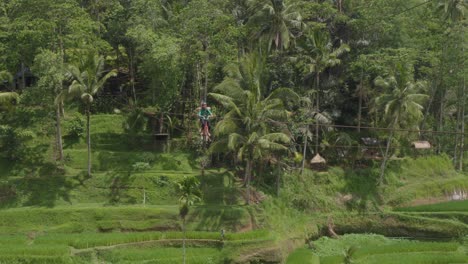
[75, 126]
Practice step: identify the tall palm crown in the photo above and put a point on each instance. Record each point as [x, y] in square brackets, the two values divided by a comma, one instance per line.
[246, 127]
[89, 77]
[401, 102]
[321, 53]
[276, 20]
[453, 10]
[250, 114]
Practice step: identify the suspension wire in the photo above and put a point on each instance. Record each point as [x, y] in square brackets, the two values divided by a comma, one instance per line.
[422, 131]
[406, 10]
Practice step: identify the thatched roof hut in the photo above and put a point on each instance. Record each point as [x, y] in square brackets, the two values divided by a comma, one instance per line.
[421, 145]
[318, 163]
[318, 160]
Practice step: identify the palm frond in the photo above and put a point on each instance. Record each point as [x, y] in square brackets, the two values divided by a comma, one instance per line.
[277, 137]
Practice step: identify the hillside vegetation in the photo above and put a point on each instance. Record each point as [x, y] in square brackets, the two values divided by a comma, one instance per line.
[233, 131]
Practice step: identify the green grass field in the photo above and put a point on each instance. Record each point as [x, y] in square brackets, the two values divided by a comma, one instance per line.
[453, 206]
[128, 213]
[378, 249]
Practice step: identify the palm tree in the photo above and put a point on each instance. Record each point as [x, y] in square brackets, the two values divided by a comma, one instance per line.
[401, 104]
[250, 117]
[189, 190]
[88, 79]
[320, 55]
[454, 11]
[276, 20]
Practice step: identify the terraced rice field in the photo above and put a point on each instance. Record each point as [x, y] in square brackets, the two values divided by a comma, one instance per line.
[377, 249]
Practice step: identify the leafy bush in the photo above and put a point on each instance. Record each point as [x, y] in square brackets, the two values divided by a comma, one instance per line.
[75, 126]
[147, 157]
[141, 166]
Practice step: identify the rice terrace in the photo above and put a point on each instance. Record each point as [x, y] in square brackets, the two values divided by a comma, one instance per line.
[233, 131]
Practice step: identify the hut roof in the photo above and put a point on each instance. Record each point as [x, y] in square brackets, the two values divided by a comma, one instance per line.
[318, 160]
[421, 145]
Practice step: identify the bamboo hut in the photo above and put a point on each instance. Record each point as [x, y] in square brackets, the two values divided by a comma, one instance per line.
[318, 162]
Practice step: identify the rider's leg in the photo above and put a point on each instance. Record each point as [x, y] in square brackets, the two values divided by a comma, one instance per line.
[201, 127]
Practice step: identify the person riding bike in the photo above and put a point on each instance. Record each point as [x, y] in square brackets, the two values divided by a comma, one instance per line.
[204, 115]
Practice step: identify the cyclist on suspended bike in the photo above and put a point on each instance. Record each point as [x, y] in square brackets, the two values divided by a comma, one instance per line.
[204, 115]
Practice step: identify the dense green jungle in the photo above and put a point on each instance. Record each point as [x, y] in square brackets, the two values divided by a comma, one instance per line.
[233, 131]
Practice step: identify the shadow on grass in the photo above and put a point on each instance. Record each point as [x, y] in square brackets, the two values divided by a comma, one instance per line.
[362, 185]
[36, 182]
[69, 141]
[220, 211]
[216, 218]
[44, 188]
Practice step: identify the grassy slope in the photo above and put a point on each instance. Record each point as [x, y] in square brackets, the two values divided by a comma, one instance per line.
[108, 208]
[56, 216]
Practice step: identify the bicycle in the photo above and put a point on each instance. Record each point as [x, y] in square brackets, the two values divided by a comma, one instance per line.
[205, 131]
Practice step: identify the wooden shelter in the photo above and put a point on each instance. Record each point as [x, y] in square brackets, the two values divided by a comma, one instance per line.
[318, 162]
[372, 148]
[421, 145]
[160, 133]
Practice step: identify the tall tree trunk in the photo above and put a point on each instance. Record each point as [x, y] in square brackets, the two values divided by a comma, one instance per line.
[183, 240]
[23, 77]
[59, 132]
[205, 90]
[457, 136]
[248, 176]
[387, 150]
[360, 101]
[304, 152]
[88, 137]
[278, 178]
[132, 74]
[462, 135]
[59, 108]
[442, 98]
[199, 86]
[428, 107]
[440, 121]
[317, 109]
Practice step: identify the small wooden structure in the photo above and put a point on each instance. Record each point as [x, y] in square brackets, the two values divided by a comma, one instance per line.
[318, 162]
[161, 137]
[421, 145]
[372, 148]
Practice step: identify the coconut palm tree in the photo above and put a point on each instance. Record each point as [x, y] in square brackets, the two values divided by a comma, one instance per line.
[246, 126]
[88, 78]
[189, 190]
[454, 12]
[401, 104]
[277, 20]
[320, 55]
